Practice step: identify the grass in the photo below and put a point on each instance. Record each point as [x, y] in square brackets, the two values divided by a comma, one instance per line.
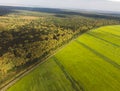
[56, 77]
[90, 63]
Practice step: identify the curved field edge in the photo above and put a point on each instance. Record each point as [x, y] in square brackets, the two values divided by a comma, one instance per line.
[90, 63]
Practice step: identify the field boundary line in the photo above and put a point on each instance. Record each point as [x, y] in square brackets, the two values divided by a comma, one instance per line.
[108, 60]
[111, 34]
[103, 39]
[114, 28]
[74, 84]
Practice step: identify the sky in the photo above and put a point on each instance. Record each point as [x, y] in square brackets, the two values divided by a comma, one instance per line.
[110, 5]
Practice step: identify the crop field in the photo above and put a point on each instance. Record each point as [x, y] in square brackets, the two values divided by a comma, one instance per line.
[89, 63]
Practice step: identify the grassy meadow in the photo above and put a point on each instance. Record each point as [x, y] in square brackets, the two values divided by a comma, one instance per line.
[88, 63]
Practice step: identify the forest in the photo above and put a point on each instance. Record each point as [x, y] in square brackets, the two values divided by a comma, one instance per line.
[29, 35]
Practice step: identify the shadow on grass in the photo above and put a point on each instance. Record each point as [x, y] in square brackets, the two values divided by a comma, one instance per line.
[110, 61]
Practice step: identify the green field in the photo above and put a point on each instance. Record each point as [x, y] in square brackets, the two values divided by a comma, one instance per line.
[89, 63]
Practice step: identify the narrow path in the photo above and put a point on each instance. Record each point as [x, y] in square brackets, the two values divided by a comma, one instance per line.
[103, 39]
[73, 82]
[100, 55]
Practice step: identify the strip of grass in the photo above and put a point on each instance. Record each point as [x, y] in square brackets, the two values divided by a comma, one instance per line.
[109, 34]
[107, 49]
[106, 37]
[103, 39]
[47, 77]
[100, 55]
[74, 84]
[110, 29]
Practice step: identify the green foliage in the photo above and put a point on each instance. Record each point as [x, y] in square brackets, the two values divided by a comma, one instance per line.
[88, 63]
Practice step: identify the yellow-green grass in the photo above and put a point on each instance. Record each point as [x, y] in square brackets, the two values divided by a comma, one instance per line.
[89, 63]
[47, 77]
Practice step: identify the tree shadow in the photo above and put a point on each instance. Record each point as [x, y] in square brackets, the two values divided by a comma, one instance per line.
[18, 39]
